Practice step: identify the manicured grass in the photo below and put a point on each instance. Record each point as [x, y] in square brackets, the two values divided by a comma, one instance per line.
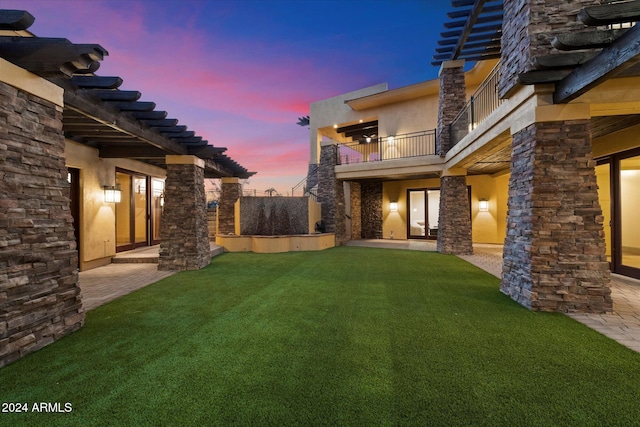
[346, 336]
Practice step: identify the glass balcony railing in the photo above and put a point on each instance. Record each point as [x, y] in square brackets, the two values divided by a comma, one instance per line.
[414, 144]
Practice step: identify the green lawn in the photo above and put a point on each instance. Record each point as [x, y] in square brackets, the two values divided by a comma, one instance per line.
[346, 336]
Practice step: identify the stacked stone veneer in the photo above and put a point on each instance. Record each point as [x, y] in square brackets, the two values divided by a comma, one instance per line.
[452, 100]
[371, 210]
[554, 252]
[454, 222]
[212, 217]
[312, 176]
[184, 230]
[331, 194]
[356, 210]
[528, 27]
[273, 216]
[231, 192]
[39, 294]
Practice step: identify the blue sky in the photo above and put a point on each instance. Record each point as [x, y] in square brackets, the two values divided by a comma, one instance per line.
[241, 72]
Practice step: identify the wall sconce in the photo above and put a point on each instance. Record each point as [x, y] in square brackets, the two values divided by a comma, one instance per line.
[391, 140]
[393, 206]
[483, 205]
[112, 194]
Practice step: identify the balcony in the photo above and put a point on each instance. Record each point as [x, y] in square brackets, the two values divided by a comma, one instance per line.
[482, 103]
[415, 144]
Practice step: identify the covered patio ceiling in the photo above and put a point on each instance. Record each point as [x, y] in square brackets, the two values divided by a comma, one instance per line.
[100, 115]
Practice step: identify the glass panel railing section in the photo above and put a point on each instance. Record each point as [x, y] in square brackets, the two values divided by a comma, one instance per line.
[482, 103]
[413, 144]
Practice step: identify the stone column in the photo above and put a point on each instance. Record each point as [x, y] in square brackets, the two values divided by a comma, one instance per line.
[39, 293]
[454, 220]
[371, 193]
[184, 232]
[452, 100]
[356, 210]
[312, 176]
[331, 194]
[231, 192]
[527, 31]
[554, 251]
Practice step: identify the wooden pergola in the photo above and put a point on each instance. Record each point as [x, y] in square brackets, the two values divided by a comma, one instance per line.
[581, 61]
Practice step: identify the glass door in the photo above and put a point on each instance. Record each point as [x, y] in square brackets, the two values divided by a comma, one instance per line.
[424, 205]
[629, 205]
[124, 241]
[603, 177]
[136, 215]
[157, 206]
[140, 222]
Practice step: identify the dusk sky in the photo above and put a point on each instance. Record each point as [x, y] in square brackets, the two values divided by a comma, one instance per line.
[240, 72]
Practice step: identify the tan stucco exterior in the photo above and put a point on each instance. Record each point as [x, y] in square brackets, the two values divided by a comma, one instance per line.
[97, 218]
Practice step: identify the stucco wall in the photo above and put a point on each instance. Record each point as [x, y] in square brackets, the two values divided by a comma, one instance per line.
[327, 112]
[486, 227]
[97, 218]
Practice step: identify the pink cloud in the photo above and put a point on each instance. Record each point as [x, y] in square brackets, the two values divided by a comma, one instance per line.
[204, 79]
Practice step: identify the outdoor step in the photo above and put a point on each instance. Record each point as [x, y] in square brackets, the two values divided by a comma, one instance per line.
[153, 258]
[216, 250]
[135, 260]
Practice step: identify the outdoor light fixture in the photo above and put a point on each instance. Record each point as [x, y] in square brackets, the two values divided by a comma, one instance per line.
[390, 140]
[483, 205]
[112, 194]
[393, 206]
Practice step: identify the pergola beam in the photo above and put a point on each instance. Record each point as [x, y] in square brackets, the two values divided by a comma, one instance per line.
[623, 53]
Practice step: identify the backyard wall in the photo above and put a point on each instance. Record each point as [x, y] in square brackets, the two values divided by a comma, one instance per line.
[274, 215]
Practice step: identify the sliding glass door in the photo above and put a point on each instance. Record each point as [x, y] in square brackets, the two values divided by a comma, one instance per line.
[619, 196]
[629, 206]
[424, 205]
[139, 210]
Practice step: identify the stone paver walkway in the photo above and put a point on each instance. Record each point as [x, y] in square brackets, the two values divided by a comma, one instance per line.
[104, 284]
[129, 272]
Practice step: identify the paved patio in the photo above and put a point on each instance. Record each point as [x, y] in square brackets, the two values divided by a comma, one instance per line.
[105, 284]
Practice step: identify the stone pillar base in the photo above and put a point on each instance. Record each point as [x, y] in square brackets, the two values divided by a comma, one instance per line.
[184, 231]
[554, 251]
[331, 194]
[454, 223]
[231, 192]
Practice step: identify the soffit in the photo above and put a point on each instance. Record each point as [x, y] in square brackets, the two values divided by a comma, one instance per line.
[393, 96]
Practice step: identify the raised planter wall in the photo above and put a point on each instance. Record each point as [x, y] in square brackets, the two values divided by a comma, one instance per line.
[276, 244]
